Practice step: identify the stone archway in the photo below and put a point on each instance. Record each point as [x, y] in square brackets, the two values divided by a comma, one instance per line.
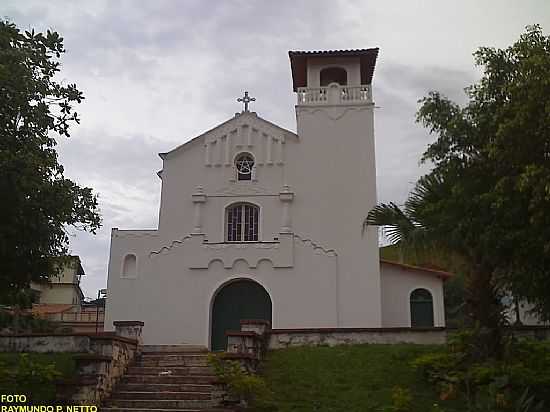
[237, 300]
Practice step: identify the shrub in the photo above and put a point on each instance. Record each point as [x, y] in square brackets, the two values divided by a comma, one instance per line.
[33, 378]
[490, 384]
[243, 385]
[401, 399]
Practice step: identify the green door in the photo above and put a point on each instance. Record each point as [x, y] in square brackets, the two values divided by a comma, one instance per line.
[422, 309]
[242, 299]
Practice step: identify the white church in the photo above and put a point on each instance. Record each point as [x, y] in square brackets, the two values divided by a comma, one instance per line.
[260, 222]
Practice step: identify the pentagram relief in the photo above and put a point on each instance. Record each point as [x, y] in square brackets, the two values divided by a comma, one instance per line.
[244, 163]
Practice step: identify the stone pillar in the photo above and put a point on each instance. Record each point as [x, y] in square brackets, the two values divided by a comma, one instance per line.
[286, 196]
[198, 199]
[129, 329]
[261, 327]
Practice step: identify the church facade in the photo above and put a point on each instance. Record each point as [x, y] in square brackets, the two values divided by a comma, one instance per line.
[260, 222]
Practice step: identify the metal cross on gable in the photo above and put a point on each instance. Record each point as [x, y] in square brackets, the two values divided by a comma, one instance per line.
[246, 99]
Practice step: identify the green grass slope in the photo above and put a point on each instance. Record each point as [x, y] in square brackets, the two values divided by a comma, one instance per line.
[349, 378]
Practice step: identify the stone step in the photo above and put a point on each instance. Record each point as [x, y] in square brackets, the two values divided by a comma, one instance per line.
[163, 387]
[152, 355]
[173, 370]
[168, 396]
[170, 379]
[116, 409]
[113, 409]
[160, 403]
[172, 360]
[146, 349]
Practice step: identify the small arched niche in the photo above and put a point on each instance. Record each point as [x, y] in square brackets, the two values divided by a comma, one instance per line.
[129, 266]
[333, 75]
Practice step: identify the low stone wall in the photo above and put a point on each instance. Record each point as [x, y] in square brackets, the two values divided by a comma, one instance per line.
[100, 370]
[101, 359]
[43, 343]
[532, 332]
[284, 338]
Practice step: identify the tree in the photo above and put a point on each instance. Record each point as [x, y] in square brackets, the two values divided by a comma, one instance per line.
[39, 203]
[491, 167]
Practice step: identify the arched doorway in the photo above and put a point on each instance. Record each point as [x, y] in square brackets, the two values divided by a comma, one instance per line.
[235, 301]
[422, 309]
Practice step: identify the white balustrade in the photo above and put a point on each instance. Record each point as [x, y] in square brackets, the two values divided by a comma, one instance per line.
[334, 94]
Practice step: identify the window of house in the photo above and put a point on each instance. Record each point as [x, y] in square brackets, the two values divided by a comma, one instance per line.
[333, 75]
[422, 309]
[244, 163]
[242, 222]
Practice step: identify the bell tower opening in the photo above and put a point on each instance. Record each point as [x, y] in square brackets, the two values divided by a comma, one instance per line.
[333, 75]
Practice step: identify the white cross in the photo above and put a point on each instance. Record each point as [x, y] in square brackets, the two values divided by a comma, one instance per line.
[245, 99]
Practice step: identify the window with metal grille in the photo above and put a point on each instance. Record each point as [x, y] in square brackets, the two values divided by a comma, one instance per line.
[242, 223]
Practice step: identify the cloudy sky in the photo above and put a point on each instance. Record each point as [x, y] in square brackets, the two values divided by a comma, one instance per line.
[157, 73]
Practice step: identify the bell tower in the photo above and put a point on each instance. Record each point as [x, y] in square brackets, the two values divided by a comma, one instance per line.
[333, 171]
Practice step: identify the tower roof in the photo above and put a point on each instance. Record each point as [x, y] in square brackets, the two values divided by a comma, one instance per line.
[298, 63]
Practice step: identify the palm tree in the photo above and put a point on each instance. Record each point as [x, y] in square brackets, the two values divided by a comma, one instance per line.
[409, 227]
[424, 226]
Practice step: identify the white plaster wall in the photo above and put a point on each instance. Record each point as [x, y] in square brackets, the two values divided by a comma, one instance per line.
[175, 302]
[334, 280]
[332, 170]
[185, 168]
[527, 318]
[397, 285]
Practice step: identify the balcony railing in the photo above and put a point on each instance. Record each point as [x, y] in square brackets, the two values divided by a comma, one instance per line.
[334, 94]
[77, 316]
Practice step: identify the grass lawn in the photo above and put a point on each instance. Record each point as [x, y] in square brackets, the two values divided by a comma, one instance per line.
[349, 378]
[10, 363]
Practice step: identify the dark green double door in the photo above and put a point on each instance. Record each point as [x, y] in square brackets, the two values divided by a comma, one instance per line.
[422, 309]
[238, 300]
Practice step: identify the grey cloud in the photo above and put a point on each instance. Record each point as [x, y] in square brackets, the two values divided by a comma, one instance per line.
[400, 142]
[157, 73]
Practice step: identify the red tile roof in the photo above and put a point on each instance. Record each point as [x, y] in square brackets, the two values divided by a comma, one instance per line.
[437, 272]
[298, 63]
[50, 308]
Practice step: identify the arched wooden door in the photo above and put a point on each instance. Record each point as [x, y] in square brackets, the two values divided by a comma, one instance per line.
[238, 300]
[422, 309]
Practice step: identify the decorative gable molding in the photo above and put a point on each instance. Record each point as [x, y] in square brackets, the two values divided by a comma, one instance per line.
[245, 189]
[246, 132]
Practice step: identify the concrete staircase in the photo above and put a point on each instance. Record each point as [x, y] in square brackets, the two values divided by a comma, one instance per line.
[167, 378]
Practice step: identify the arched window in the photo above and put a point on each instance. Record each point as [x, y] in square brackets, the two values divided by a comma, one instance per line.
[129, 266]
[242, 222]
[333, 75]
[422, 309]
[244, 163]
